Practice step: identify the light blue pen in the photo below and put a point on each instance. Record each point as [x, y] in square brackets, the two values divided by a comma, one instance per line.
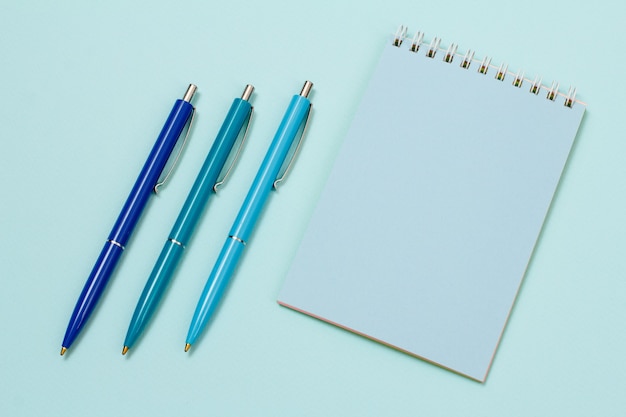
[266, 179]
[206, 183]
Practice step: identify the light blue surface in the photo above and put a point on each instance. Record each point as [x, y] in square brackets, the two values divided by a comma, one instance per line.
[430, 215]
[67, 67]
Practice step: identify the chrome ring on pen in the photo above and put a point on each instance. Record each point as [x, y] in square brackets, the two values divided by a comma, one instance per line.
[119, 245]
[237, 239]
[176, 242]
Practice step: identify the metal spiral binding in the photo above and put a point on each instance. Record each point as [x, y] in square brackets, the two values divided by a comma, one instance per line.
[400, 34]
[536, 85]
[519, 79]
[434, 46]
[450, 53]
[485, 65]
[570, 97]
[417, 41]
[467, 59]
[553, 91]
[501, 72]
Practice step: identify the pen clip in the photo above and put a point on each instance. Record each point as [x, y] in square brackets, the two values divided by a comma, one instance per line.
[163, 178]
[234, 155]
[294, 151]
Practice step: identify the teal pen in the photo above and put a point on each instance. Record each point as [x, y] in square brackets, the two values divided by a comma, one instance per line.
[272, 171]
[206, 183]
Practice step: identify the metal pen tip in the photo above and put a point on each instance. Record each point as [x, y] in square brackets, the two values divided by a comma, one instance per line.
[187, 347]
[63, 350]
[306, 89]
[125, 350]
[191, 90]
[247, 92]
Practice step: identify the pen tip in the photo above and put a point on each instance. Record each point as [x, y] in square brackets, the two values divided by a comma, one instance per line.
[63, 350]
[187, 347]
[124, 350]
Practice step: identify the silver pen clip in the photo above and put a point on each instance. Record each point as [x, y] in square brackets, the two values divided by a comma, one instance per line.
[180, 145]
[295, 148]
[234, 156]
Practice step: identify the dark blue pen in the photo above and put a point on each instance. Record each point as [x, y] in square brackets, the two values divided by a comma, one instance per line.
[146, 183]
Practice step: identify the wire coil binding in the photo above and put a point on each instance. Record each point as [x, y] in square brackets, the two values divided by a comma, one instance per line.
[484, 67]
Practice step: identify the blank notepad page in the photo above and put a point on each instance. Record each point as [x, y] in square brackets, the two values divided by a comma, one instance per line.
[427, 223]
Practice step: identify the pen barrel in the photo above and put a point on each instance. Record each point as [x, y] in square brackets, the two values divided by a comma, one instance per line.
[151, 171]
[153, 291]
[215, 287]
[294, 117]
[202, 189]
[97, 281]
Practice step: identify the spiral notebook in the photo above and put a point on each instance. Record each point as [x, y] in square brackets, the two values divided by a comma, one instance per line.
[429, 218]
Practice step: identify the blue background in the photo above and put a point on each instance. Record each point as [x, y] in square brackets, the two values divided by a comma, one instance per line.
[85, 88]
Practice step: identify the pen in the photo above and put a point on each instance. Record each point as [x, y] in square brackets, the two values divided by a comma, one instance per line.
[148, 180]
[266, 179]
[206, 182]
